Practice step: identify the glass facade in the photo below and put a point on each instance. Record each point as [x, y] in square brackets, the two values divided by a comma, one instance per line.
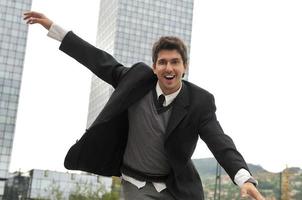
[13, 34]
[127, 29]
[16, 186]
[45, 184]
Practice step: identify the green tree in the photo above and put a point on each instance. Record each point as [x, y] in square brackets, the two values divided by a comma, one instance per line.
[55, 192]
[115, 190]
[111, 196]
[86, 192]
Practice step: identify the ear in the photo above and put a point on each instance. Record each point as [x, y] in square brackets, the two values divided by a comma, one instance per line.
[154, 68]
[185, 71]
[186, 66]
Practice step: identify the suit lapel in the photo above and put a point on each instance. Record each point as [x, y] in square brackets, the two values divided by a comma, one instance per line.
[179, 110]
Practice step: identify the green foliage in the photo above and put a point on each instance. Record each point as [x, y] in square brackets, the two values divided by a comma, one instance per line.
[56, 193]
[86, 192]
[53, 193]
[111, 196]
[269, 183]
[115, 190]
[269, 186]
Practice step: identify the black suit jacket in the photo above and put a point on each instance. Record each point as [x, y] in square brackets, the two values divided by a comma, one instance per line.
[101, 148]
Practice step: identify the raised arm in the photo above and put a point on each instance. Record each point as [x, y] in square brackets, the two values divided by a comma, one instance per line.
[101, 63]
[97, 61]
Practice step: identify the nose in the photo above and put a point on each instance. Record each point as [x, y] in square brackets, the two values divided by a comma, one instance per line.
[169, 67]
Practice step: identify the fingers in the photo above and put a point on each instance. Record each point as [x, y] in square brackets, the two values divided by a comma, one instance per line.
[34, 14]
[32, 17]
[243, 193]
[29, 17]
[251, 192]
[33, 21]
[255, 194]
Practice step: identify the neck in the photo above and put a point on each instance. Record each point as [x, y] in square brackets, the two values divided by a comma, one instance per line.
[171, 91]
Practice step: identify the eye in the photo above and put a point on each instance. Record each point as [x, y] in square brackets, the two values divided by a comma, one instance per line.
[161, 62]
[175, 62]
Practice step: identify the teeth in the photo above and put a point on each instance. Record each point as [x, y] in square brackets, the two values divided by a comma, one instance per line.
[169, 76]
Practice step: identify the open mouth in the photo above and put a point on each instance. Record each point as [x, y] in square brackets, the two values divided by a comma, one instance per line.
[169, 77]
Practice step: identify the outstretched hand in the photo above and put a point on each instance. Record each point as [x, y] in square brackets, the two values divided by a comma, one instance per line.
[249, 190]
[33, 17]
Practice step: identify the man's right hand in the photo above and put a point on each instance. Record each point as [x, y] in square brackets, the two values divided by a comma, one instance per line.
[33, 17]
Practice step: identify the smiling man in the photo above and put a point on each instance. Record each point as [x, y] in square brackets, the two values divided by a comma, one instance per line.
[169, 68]
[148, 130]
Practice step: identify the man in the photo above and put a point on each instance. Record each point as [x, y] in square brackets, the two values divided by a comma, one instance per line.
[148, 130]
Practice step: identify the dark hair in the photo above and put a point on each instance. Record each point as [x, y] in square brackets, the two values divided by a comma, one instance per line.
[170, 43]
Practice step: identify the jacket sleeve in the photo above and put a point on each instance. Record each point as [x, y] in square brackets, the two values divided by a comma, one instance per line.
[220, 144]
[97, 61]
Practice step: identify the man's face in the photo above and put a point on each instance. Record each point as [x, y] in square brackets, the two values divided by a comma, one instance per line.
[169, 69]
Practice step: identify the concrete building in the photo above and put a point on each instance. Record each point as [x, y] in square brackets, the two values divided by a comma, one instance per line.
[127, 29]
[13, 35]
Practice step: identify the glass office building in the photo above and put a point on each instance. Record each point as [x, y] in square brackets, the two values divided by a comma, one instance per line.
[46, 184]
[13, 34]
[127, 29]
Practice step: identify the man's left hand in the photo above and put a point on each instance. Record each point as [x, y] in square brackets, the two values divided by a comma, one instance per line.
[249, 190]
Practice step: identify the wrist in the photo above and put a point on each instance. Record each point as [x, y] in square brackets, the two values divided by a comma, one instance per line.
[252, 180]
[48, 24]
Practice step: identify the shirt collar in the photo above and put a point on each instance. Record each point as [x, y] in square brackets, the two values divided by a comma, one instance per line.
[168, 98]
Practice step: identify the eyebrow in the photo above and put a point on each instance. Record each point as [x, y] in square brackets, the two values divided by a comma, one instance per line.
[173, 59]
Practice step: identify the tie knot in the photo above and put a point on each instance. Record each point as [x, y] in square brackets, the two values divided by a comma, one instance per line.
[161, 100]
